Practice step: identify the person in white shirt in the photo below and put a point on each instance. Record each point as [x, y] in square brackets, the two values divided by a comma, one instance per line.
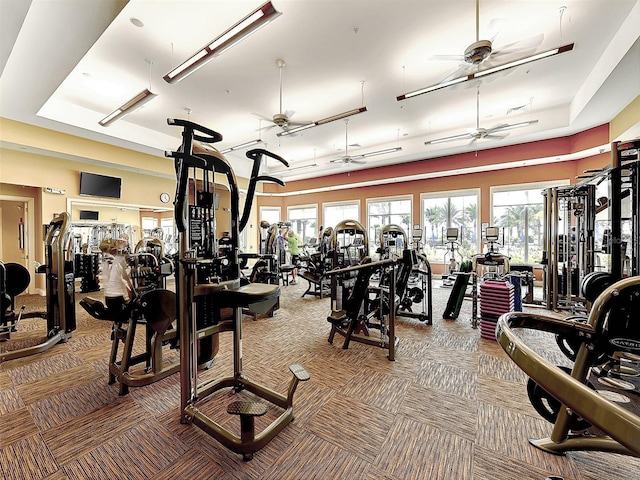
[118, 290]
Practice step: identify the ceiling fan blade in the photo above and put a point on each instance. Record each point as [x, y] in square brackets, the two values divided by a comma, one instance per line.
[290, 113]
[332, 118]
[446, 58]
[525, 45]
[510, 126]
[295, 124]
[495, 26]
[267, 127]
[262, 117]
[496, 137]
[357, 162]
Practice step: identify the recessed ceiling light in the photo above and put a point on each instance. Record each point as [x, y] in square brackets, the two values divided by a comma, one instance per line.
[137, 22]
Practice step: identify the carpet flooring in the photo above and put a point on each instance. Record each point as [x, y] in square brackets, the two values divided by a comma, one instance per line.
[451, 406]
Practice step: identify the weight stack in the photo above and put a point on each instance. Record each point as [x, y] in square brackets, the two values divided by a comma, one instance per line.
[496, 298]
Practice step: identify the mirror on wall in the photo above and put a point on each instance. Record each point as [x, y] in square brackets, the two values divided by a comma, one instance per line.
[93, 220]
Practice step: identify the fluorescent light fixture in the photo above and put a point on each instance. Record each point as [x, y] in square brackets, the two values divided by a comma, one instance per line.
[448, 139]
[432, 88]
[332, 118]
[382, 152]
[340, 116]
[300, 167]
[241, 30]
[296, 130]
[522, 61]
[131, 106]
[241, 146]
[488, 71]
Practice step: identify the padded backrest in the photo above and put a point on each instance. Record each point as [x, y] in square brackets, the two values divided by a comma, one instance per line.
[18, 279]
[359, 290]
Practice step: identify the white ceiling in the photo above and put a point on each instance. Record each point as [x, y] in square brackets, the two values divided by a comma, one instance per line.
[339, 55]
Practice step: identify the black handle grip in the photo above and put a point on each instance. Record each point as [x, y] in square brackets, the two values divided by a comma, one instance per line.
[256, 153]
[212, 135]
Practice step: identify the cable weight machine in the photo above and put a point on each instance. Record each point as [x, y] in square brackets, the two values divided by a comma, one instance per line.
[203, 294]
[60, 292]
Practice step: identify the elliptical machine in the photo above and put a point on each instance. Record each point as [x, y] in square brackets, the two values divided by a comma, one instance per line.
[452, 257]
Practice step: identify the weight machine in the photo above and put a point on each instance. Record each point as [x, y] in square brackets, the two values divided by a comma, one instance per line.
[570, 214]
[566, 396]
[60, 292]
[202, 292]
[360, 312]
[393, 243]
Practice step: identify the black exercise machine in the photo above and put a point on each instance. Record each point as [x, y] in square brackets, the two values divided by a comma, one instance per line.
[416, 288]
[154, 307]
[196, 162]
[60, 292]
[316, 266]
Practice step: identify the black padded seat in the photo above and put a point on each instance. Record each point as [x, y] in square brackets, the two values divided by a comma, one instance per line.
[249, 294]
[158, 308]
[256, 297]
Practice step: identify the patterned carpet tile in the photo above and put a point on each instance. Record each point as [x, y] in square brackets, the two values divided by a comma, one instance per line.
[16, 425]
[75, 438]
[43, 367]
[376, 389]
[445, 355]
[26, 458]
[506, 432]
[69, 404]
[489, 465]
[193, 466]
[140, 452]
[415, 450]
[440, 410]
[599, 465]
[504, 394]
[9, 399]
[45, 387]
[502, 368]
[314, 458]
[448, 379]
[352, 425]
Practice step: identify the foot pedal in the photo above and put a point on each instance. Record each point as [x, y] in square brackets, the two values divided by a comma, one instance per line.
[251, 409]
[247, 411]
[299, 372]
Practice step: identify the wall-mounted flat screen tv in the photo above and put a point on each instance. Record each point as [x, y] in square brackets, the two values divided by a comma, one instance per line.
[94, 185]
[89, 215]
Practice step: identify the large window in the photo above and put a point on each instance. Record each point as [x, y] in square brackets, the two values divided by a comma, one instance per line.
[304, 221]
[444, 210]
[269, 214]
[334, 213]
[387, 211]
[519, 213]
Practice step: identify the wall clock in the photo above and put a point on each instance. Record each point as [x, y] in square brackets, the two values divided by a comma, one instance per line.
[165, 197]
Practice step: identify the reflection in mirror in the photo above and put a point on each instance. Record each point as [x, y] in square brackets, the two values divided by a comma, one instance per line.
[93, 221]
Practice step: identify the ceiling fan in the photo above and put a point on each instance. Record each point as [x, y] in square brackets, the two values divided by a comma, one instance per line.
[482, 133]
[281, 119]
[347, 159]
[480, 59]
